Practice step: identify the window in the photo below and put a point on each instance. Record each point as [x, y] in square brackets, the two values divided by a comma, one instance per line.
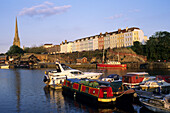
[136, 77]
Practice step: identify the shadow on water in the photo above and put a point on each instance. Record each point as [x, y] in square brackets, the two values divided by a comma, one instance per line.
[66, 104]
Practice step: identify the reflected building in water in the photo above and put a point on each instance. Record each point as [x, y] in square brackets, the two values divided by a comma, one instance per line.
[17, 85]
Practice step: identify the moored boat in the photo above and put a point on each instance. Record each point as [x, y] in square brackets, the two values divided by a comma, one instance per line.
[161, 83]
[98, 93]
[4, 67]
[111, 78]
[156, 103]
[152, 85]
[62, 72]
[134, 79]
[111, 64]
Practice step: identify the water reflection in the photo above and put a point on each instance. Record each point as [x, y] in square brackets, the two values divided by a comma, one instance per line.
[55, 98]
[23, 91]
[67, 105]
[18, 88]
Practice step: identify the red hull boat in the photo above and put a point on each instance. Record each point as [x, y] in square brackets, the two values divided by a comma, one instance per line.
[112, 65]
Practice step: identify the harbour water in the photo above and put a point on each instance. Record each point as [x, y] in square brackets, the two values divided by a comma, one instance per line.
[23, 91]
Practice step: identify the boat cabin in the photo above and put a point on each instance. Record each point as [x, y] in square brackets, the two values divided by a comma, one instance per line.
[132, 79]
[61, 67]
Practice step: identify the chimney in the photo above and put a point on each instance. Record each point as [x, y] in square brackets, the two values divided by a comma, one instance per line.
[126, 28]
[119, 30]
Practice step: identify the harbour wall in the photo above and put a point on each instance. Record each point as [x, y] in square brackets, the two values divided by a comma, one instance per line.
[131, 65]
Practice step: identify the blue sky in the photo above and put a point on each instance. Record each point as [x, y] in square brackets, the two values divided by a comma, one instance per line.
[53, 21]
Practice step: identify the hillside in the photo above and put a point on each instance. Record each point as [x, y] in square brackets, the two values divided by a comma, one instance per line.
[121, 54]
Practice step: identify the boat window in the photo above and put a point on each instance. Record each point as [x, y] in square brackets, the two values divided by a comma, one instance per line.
[116, 77]
[76, 73]
[147, 83]
[58, 68]
[66, 67]
[136, 77]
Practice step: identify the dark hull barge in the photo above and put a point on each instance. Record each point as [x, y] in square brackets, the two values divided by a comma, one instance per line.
[98, 93]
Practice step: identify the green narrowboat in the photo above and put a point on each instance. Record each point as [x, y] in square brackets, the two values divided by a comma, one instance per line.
[98, 93]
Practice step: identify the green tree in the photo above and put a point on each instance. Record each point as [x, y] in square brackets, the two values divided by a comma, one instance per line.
[37, 50]
[15, 50]
[158, 46]
[137, 47]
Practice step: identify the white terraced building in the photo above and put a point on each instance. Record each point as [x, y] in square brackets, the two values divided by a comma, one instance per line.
[116, 39]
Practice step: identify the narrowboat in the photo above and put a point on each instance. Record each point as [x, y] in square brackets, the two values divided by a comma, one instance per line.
[134, 79]
[98, 93]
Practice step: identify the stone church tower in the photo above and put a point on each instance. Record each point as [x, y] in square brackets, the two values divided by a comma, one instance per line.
[16, 38]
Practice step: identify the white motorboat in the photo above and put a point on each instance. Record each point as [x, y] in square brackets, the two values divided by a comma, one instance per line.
[63, 72]
[152, 85]
[155, 103]
[161, 83]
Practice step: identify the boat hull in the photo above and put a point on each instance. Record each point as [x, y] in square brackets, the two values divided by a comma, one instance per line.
[4, 67]
[117, 100]
[89, 99]
[112, 65]
[56, 86]
[59, 80]
[155, 108]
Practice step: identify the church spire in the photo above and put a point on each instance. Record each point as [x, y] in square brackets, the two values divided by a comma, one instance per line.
[16, 38]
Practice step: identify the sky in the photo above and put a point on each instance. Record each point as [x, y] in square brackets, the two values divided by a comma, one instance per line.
[53, 21]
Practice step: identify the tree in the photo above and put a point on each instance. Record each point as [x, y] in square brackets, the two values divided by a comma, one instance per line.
[137, 47]
[158, 46]
[37, 50]
[15, 50]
